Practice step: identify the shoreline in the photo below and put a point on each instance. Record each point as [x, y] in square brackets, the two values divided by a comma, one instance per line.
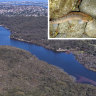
[74, 79]
[80, 56]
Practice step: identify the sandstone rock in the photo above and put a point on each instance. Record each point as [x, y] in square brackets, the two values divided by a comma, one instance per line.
[91, 29]
[58, 8]
[84, 36]
[53, 30]
[61, 35]
[72, 29]
[89, 7]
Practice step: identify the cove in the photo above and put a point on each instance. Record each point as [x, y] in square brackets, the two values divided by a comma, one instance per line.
[63, 60]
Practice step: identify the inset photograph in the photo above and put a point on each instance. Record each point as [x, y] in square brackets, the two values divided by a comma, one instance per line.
[72, 19]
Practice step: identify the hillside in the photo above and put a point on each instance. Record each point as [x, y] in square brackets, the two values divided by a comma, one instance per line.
[22, 74]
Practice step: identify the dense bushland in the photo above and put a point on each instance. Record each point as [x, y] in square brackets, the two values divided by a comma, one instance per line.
[22, 74]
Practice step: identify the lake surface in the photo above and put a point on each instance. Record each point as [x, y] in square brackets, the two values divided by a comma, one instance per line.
[63, 60]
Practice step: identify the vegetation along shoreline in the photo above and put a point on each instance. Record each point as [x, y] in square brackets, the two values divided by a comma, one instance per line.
[18, 31]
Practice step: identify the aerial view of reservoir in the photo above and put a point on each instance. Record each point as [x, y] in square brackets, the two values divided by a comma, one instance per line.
[65, 61]
[34, 61]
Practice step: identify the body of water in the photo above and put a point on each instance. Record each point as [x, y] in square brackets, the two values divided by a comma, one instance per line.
[63, 60]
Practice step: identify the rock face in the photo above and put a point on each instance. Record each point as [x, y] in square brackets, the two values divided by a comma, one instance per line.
[53, 30]
[73, 28]
[74, 24]
[88, 7]
[91, 29]
[60, 7]
[69, 29]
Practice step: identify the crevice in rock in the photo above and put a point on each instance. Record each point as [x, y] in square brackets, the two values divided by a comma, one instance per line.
[80, 1]
[85, 27]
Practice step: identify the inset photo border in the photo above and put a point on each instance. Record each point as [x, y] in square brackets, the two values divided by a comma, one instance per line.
[71, 23]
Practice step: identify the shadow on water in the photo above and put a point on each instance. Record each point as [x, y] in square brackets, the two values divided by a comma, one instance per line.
[63, 60]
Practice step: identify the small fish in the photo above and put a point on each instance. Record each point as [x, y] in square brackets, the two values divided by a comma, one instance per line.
[73, 16]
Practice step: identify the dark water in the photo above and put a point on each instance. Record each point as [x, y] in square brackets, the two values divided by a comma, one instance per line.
[62, 60]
